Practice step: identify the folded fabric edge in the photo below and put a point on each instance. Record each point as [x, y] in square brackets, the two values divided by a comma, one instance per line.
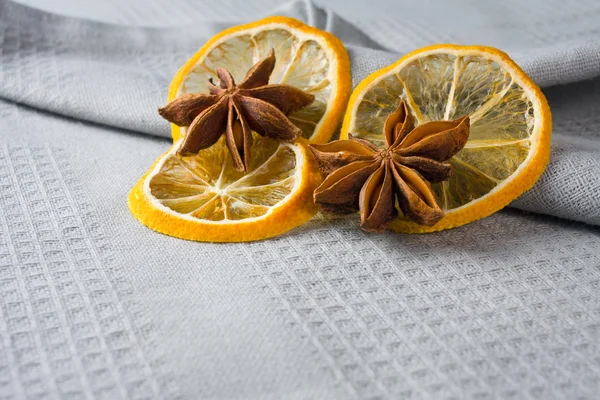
[561, 64]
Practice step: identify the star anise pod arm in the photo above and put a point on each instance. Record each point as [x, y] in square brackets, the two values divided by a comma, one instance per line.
[415, 197]
[398, 124]
[376, 200]
[238, 137]
[227, 81]
[266, 120]
[433, 171]
[402, 171]
[436, 140]
[260, 72]
[183, 110]
[237, 110]
[340, 190]
[284, 97]
[339, 153]
[215, 115]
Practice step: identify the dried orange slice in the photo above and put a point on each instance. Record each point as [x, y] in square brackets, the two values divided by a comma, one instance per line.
[203, 197]
[307, 58]
[509, 143]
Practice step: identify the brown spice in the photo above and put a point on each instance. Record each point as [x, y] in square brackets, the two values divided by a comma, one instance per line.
[362, 177]
[237, 110]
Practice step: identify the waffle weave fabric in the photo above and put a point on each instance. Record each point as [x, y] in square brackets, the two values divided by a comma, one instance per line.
[95, 306]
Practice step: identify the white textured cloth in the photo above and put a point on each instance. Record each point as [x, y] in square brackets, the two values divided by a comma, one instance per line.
[94, 305]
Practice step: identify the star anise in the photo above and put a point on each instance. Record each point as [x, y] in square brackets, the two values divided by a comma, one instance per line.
[236, 111]
[362, 177]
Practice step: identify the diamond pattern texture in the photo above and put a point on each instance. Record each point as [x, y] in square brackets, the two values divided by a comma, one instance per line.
[94, 305]
[68, 320]
[429, 318]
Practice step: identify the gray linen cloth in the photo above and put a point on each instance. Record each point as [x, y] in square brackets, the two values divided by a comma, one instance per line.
[94, 305]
